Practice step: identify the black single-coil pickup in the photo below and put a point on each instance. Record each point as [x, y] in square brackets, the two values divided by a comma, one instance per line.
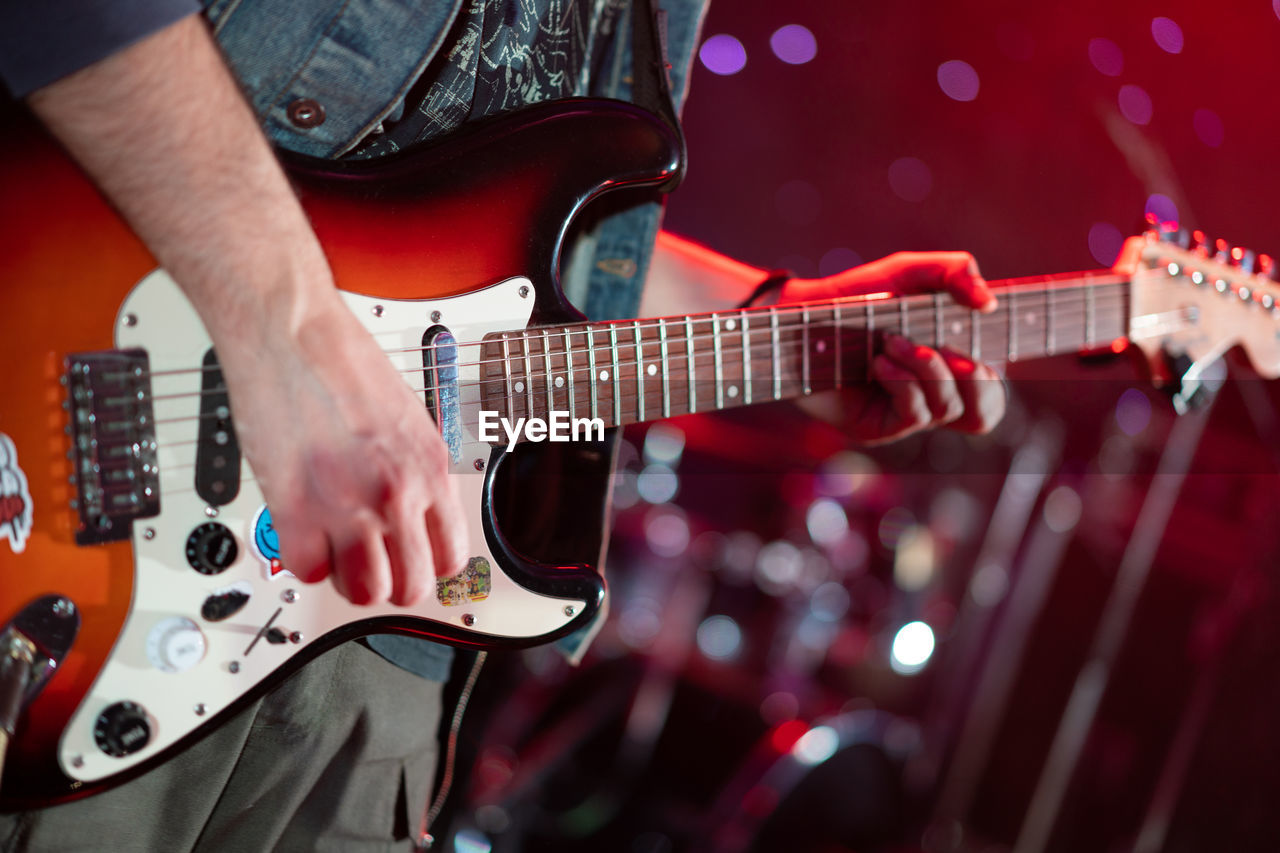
[217, 449]
[113, 442]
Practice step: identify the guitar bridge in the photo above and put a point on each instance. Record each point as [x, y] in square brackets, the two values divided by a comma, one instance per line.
[113, 442]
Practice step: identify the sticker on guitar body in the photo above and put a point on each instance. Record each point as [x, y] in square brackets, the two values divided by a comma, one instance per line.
[15, 498]
[266, 544]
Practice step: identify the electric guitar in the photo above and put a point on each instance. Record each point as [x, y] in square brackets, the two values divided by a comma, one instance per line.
[143, 597]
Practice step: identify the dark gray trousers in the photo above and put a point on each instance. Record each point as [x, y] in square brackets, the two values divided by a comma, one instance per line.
[340, 757]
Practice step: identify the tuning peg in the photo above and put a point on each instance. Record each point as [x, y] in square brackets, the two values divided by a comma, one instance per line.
[1243, 258]
[1171, 233]
[1221, 251]
[1266, 267]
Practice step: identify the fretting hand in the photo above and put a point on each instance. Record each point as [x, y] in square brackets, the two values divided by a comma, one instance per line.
[915, 387]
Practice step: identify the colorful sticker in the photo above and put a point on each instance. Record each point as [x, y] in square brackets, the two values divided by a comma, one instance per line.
[470, 584]
[266, 544]
[15, 498]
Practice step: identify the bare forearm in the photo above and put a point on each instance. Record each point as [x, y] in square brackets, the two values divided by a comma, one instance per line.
[356, 474]
[163, 130]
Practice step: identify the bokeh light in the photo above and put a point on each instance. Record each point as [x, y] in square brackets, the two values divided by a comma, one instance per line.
[1106, 56]
[657, 483]
[838, 260]
[912, 648]
[1062, 509]
[816, 745]
[958, 80]
[910, 179]
[1133, 412]
[1135, 104]
[723, 54]
[1105, 241]
[1208, 126]
[1167, 33]
[719, 637]
[1162, 207]
[794, 44]
[826, 521]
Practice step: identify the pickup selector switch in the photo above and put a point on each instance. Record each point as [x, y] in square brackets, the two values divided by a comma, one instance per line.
[122, 729]
[211, 548]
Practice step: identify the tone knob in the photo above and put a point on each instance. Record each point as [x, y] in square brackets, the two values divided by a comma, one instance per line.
[175, 645]
[211, 548]
[122, 729]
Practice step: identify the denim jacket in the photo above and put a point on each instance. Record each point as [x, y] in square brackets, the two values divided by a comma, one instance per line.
[322, 74]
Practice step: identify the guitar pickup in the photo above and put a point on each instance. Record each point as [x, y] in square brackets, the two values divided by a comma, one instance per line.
[217, 448]
[440, 372]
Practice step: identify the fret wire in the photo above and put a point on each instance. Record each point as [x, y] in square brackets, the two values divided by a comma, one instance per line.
[688, 348]
[591, 365]
[638, 337]
[617, 390]
[715, 342]
[506, 369]
[937, 320]
[777, 367]
[835, 315]
[568, 366]
[871, 328]
[1048, 321]
[528, 373]
[1013, 328]
[746, 359]
[804, 320]
[975, 333]
[1088, 316]
[666, 376]
[546, 359]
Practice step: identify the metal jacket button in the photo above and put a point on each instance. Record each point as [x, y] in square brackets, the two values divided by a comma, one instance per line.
[305, 113]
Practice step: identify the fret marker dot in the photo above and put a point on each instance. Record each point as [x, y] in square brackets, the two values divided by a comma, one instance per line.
[652, 370]
[519, 387]
[733, 391]
[559, 381]
[821, 346]
[731, 324]
[604, 376]
[1031, 318]
[957, 327]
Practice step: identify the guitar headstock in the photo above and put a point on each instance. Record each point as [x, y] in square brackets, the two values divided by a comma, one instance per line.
[1193, 299]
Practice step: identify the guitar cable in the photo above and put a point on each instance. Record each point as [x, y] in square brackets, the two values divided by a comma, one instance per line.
[16, 660]
[425, 839]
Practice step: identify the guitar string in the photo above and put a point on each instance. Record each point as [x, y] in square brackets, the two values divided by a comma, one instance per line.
[729, 352]
[1066, 315]
[629, 413]
[887, 306]
[854, 325]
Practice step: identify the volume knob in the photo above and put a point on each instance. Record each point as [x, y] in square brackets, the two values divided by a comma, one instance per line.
[211, 548]
[122, 729]
[175, 644]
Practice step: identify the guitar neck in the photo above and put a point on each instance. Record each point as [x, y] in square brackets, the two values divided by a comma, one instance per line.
[631, 371]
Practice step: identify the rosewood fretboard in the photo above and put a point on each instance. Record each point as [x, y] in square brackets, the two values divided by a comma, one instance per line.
[630, 371]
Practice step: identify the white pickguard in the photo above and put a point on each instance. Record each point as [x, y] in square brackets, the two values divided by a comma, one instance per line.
[158, 318]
